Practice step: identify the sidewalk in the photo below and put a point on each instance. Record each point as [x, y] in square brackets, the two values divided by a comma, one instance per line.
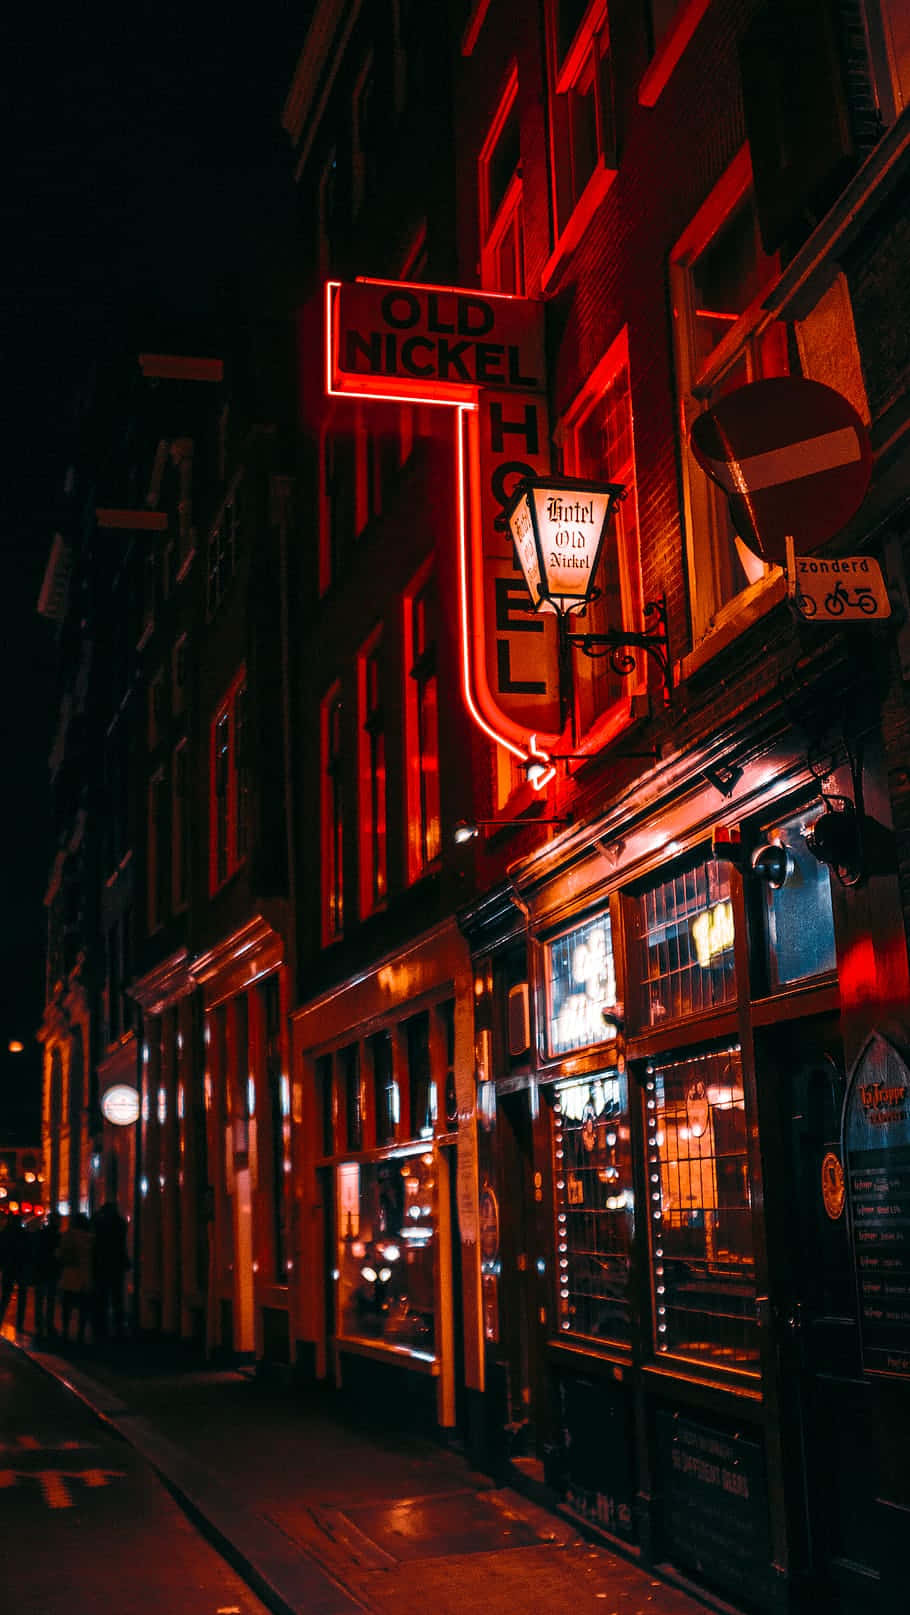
[323, 1516]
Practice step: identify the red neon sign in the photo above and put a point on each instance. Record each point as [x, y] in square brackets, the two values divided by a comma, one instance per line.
[482, 355]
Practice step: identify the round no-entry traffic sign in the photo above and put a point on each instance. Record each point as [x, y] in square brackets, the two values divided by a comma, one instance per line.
[792, 455]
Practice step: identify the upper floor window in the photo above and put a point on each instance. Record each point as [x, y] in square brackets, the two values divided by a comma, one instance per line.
[337, 503]
[424, 836]
[332, 865]
[328, 208]
[156, 709]
[223, 551]
[180, 826]
[372, 747]
[178, 675]
[583, 122]
[500, 193]
[158, 845]
[888, 26]
[598, 443]
[365, 131]
[229, 805]
[723, 339]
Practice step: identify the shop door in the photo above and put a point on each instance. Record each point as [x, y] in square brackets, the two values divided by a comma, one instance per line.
[518, 1319]
[827, 1432]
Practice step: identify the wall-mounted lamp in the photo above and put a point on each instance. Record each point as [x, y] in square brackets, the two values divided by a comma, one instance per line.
[557, 526]
[468, 829]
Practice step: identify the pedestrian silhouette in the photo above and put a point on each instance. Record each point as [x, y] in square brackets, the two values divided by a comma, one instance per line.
[76, 1247]
[111, 1265]
[46, 1272]
[15, 1262]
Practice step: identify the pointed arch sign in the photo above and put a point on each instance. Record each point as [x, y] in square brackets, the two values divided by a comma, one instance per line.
[482, 355]
[877, 1159]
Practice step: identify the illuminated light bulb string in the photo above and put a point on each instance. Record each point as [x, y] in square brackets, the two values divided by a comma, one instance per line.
[655, 1139]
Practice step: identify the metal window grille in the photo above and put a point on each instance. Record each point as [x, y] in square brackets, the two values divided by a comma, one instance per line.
[687, 943]
[592, 1170]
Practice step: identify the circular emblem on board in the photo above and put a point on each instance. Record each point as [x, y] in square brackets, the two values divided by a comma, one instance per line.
[833, 1189]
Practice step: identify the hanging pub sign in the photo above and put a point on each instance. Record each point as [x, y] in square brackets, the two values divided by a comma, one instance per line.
[120, 1105]
[877, 1159]
[793, 458]
[482, 355]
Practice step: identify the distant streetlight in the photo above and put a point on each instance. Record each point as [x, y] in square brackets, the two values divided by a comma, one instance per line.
[15, 1047]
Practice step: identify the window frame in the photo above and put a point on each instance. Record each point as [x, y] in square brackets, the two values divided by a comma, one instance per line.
[703, 504]
[236, 792]
[156, 885]
[331, 775]
[588, 52]
[508, 217]
[373, 818]
[421, 669]
[624, 524]
[180, 824]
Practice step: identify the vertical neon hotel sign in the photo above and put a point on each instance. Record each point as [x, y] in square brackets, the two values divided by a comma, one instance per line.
[482, 356]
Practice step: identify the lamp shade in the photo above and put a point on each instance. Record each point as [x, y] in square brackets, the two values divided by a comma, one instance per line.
[557, 526]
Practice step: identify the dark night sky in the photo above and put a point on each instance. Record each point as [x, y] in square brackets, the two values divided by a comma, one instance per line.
[145, 173]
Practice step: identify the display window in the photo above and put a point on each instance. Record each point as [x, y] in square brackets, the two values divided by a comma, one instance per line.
[581, 981]
[386, 1220]
[687, 934]
[595, 1205]
[700, 1212]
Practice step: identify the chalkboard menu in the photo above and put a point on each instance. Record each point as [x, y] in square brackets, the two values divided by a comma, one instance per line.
[877, 1150]
[714, 1511]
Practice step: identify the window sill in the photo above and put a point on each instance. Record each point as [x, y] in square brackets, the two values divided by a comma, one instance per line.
[615, 1357]
[419, 1362]
[753, 604]
[664, 62]
[740, 1383]
[577, 223]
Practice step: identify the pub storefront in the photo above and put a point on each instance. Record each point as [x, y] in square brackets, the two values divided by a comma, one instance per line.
[386, 1299]
[670, 1297]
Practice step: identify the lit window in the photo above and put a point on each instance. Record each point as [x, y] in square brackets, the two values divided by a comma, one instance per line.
[332, 816]
[598, 443]
[723, 339]
[500, 193]
[424, 840]
[700, 1212]
[583, 127]
[686, 929]
[386, 1282]
[229, 786]
[385, 1088]
[592, 1171]
[372, 817]
[581, 982]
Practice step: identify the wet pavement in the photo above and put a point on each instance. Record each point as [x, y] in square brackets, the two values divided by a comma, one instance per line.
[323, 1513]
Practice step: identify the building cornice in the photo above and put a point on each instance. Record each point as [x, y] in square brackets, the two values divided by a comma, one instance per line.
[164, 984]
[254, 949]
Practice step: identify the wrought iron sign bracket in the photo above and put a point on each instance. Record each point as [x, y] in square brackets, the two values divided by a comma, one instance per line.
[621, 645]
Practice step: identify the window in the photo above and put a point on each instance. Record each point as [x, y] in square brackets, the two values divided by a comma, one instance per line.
[385, 1088]
[229, 786]
[592, 1171]
[325, 1098]
[149, 593]
[598, 443]
[799, 922]
[424, 836]
[723, 339]
[329, 213]
[332, 816]
[349, 1076]
[337, 504]
[386, 1215]
[500, 193]
[178, 675]
[365, 134]
[156, 710]
[223, 550]
[686, 943]
[158, 843]
[279, 1123]
[422, 1088]
[180, 826]
[583, 128]
[888, 24]
[372, 817]
[581, 980]
[450, 1093]
[703, 1274]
